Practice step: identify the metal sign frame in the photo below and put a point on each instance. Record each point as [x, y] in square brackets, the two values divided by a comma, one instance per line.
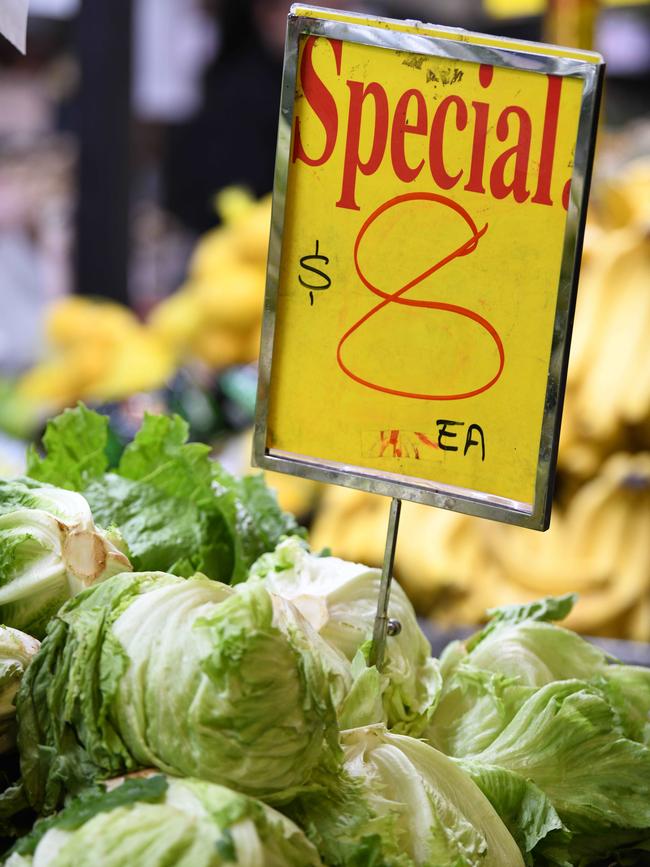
[455, 45]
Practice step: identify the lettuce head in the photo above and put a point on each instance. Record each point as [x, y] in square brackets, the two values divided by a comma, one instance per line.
[553, 731]
[339, 599]
[156, 821]
[149, 669]
[50, 549]
[406, 805]
[16, 651]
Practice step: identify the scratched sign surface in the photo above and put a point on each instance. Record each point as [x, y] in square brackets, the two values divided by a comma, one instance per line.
[425, 215]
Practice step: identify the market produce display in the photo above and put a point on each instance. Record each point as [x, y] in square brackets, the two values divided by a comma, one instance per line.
[453, 567]
[240, 704]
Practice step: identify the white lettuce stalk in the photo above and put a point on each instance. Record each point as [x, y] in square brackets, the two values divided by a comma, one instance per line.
[16, 651]
[339, 599]
[50, 549]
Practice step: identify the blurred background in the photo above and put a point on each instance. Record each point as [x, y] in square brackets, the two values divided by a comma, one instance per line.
[133, 239]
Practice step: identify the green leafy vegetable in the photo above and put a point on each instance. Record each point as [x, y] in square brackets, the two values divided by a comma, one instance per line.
[339, 599]
[526, 811]
[75, 443]
[94, 800]
[50, 549]
[406, 804]
[159, 821]
[251, 508]
[16, 651]
[553, 731]
[148, 669]
[178, 511]
[549, 608]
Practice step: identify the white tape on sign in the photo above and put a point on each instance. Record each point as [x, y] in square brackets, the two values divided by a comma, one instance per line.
[13, 21]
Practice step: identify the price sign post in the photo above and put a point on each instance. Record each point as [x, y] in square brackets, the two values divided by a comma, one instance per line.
[428, 212]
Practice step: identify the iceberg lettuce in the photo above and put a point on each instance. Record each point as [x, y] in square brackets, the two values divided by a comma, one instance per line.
[149, 669]
[553, 731]
[405, 805]
[156, 821]
[16, 651]
[50, 549]
[339, 599]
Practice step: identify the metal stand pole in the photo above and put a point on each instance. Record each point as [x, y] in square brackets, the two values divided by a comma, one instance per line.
[381, 628]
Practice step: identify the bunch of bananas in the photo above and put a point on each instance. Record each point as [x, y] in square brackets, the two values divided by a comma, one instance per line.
[455, 566]
[608, 386]
[96, 350]
[216, 315]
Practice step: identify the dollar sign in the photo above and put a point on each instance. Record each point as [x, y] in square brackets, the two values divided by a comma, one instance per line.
[318, 287]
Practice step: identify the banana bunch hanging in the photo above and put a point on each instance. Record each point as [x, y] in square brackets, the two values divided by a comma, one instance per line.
[216, 315]
[94, 350]
[454, 566]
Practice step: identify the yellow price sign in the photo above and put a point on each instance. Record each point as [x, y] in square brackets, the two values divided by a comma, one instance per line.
[427, 220]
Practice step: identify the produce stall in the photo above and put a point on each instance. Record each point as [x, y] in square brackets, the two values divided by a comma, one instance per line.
[205, 665]
[232, 711]
[452, 566]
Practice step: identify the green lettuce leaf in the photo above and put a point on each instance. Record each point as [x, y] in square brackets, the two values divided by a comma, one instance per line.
[526, 811]
[90, 803]
[566, 740]
[549, 608]
[76, 444]
[163, 533]
[628, 690]
[177, 510]
[404, 804]
[251, 507]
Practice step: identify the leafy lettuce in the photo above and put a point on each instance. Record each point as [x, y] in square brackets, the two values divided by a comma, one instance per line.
[155, 821]
[553, 731]
[178, 510]
[339, 599]
[50, 549]
[405, 805]
[149, 669]
[16, 650]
